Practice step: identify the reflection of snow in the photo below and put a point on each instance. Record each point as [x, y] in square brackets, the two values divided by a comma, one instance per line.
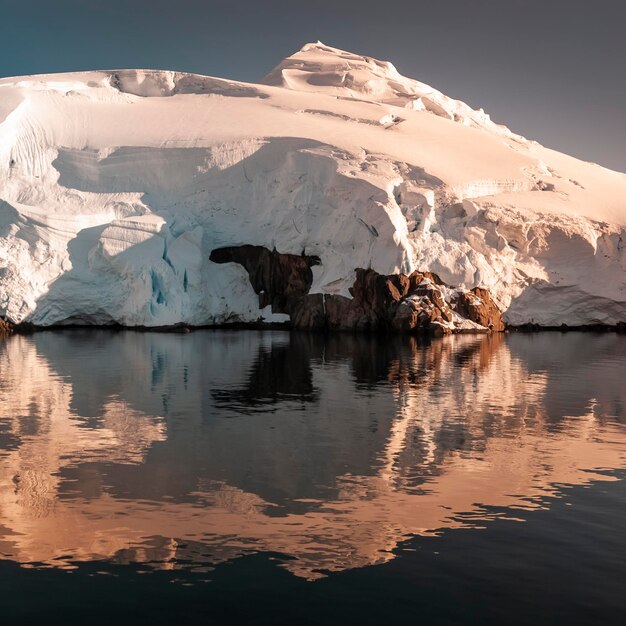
[470, 428]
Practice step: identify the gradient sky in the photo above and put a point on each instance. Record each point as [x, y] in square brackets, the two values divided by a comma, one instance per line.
[552, 70]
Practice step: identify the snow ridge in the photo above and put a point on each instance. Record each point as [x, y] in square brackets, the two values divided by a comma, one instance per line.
[322, 69]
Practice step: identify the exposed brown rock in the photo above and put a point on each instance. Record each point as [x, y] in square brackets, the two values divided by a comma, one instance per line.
[477, 305]
[280, 280]
[419, 313]
[5, 327]
[397, 302]
[309, 313]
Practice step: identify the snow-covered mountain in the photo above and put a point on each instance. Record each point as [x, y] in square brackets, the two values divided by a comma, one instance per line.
[116, 186]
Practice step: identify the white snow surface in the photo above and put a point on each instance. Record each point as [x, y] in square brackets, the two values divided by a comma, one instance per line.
[116, 185]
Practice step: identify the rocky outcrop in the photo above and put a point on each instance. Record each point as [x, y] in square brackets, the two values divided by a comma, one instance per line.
[396, 302]
[280, 280]
[415, 303]
[478, 306]
[5, 327]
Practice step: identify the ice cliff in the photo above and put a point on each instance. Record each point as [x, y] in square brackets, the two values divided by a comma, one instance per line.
[116, 186]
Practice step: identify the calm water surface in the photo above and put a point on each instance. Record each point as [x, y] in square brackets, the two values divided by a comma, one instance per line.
[270, 478]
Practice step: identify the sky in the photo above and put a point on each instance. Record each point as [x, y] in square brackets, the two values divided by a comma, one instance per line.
[551, 70]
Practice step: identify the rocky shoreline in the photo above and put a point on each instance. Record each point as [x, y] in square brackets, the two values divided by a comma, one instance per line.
[7, 328]
[418, 303]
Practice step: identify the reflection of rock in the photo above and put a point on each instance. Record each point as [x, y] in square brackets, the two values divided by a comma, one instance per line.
[419, 302]
[280, 371]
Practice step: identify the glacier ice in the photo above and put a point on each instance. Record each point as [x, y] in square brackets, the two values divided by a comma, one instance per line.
[115, 186]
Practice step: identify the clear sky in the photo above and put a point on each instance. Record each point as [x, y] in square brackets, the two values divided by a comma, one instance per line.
[552, 70]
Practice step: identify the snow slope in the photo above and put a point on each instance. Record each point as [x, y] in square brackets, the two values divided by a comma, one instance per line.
[116, 185]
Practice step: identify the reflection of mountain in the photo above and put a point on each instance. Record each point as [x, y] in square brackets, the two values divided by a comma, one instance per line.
[116, 446]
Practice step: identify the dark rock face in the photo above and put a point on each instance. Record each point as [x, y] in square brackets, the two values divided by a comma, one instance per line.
[310, 312]
[477, 306]
[397, 302]
[5, 327]
[280, 280]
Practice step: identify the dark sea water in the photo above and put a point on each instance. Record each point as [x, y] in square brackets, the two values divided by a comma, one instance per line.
[273, 478]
